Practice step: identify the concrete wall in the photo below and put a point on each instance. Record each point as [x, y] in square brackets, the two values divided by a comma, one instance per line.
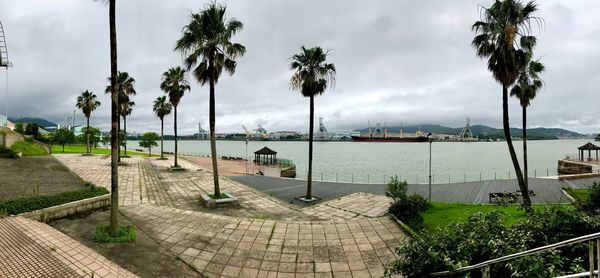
[61, 211]
[8, 138]
[567, 167]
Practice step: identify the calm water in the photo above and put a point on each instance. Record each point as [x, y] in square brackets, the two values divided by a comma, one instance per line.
[374, 162]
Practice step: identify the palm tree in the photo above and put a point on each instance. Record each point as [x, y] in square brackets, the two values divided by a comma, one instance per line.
[161, 108]
[528, 84]
[114, 118]
[124, 88]
[175, 84]
[126, 109]
[87, 103]
[206, 43]
[503, 37]
[312, 75]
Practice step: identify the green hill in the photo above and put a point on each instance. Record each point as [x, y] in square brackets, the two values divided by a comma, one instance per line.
[486, 132]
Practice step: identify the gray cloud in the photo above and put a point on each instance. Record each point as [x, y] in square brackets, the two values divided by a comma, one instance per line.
[397, 61]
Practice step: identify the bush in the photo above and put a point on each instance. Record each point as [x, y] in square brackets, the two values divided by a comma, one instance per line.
[407, 208]
[591, 204]
[484, 236]
[4, 151]
[32, 203]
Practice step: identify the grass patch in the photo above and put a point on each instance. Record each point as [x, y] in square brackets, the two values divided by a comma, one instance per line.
[442, 214]
[28, 148]
[27, 204]
[126, 235]
[580, 195]
[81, 149]
[221, 196]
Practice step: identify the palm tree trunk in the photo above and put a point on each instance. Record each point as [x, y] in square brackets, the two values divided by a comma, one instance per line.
[87, 134]
[162, 127]
[213, 141]
[310, 148]
[175, 116]
[125, 133]
[511, 150]
[114, 116]
[118, 134]
[525, 173]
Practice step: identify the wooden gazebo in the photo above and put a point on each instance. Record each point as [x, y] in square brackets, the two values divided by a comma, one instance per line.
[588, 147]
[265, 156]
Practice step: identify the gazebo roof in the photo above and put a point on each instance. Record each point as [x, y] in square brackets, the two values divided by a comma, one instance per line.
[589, 146]
[265, 150]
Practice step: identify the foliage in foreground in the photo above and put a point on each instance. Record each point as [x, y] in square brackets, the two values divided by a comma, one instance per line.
[588, 200]
[407, 208]
[4, 151]
[126, 235]
[28, 148]
[485, 236]
[32, 203]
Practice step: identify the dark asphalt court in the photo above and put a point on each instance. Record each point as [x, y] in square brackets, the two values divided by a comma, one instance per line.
[546, 190]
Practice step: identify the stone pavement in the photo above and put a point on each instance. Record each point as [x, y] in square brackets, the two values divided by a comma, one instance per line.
[33, 249]
[349, 236]
[226, 246]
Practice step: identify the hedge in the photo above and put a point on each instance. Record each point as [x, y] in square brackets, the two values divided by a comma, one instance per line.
[32, 203]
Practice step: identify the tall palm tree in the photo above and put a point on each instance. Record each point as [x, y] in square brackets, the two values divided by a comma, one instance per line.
[126, 109]
[528, 84]
[174, 83]
[161, 108]
[114, 119]
[312, 75]
[87, 103]
[503, 36]
[125, 88]
[206, 42]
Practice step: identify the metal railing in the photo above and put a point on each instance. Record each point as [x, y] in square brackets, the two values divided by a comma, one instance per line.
[594, 262]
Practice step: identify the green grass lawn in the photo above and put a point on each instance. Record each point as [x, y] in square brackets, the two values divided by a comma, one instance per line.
[441, 214]
[81, 149]
[580, 195]
[28, 148]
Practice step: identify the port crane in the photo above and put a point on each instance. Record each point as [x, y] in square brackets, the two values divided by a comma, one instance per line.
[4, 63]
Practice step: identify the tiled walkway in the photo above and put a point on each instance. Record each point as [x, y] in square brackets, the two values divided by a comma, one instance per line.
[346, 237]
[32, 249]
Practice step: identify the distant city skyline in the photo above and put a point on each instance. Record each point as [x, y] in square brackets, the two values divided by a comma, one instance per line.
[393, 66]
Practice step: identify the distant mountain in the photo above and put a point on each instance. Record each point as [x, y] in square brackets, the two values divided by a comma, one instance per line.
[39, 121]
[486, 132]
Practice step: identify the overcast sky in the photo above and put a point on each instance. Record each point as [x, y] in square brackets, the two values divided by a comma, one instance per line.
[397, 61]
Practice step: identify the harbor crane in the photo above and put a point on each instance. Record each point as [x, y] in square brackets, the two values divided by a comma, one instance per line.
[4, 63]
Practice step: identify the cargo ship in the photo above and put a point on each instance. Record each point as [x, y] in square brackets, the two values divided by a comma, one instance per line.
[381, 135]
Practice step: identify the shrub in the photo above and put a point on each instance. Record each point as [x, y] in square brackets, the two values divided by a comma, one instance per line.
[591, 204]
[32, 203]
[484, 236]
[8, 152]
[396, 188]
[407, 208]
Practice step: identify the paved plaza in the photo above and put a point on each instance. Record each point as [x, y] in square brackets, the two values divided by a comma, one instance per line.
[348, 236]
[33, 249]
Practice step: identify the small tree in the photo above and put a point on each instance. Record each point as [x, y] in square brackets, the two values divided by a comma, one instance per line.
[63, 136]
[94, 136]
[19, 128]
[148, 141]
[32, 129]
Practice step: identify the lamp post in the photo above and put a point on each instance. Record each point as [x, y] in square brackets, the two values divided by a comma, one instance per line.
[246, 156]
[430, 139]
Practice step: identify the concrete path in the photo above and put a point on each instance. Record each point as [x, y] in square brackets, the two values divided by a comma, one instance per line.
[546, 190]
[32, 249]
[343, 236]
